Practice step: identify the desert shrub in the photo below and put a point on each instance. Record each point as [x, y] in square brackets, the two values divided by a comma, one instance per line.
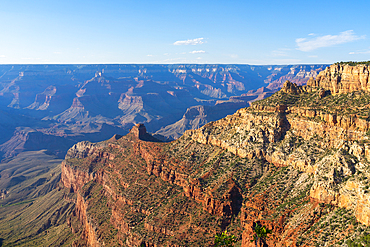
[225, 240]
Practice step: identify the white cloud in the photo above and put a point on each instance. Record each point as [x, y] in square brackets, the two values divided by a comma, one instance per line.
[305, 44]
[149, 55]
[2, 56]
[199, 58]
[197, 52]
[57, 52]
[197, 41]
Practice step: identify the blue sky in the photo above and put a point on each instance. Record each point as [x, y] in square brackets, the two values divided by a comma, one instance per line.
[162, 31]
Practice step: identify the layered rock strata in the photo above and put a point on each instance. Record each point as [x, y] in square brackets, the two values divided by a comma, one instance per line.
[263, 133]
[288, 162]
[339, 78]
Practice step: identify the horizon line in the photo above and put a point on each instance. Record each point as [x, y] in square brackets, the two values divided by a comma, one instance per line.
[165, 64]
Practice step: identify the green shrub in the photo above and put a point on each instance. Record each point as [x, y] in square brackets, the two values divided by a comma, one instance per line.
[225, 239]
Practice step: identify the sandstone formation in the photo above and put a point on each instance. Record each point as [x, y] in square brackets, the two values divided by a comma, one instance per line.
[339, 78]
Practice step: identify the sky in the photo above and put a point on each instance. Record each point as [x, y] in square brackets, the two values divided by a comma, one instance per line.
[259, 32]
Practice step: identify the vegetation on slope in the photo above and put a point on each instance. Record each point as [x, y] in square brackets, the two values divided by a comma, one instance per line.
[350, 104]
[353, 63]
[34, 211]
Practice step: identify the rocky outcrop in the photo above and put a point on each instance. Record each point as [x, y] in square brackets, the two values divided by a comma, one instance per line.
[291, 88]
[139, 132]
[83, 149]
[339, 78]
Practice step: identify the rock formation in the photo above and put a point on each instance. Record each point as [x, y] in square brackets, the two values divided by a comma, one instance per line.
[296, 162]
[343, 78]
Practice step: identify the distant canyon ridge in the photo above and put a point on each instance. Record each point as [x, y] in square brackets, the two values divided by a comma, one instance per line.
[54, 106]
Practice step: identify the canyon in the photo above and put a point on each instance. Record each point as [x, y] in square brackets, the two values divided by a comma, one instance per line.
[296, 162]
[55, 106]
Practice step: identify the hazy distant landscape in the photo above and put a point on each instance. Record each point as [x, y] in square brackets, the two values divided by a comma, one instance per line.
[54, 106]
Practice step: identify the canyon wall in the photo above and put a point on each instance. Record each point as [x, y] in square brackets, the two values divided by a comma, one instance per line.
[339, 78]
[251, 134]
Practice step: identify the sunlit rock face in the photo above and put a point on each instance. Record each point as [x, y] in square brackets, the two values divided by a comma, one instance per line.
[340, 78]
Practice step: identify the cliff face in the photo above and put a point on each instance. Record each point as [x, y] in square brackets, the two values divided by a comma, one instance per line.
[296, 162]
[340, 78]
